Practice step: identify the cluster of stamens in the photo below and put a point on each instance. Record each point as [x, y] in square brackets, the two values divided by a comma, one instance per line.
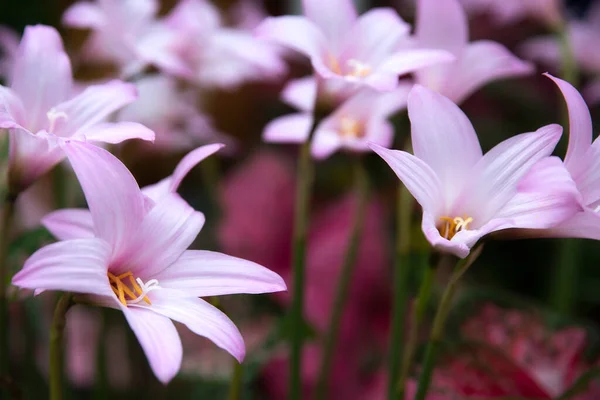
[350, 128]
[357, 69]
[451, 226]
[130, 290]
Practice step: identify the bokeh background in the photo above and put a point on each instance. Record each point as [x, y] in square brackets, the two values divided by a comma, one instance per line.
[247, 195]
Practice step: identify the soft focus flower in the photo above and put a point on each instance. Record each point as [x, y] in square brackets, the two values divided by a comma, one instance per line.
[137, 262]
[582, 161]
[511, 11]
[39, 107]
[354, 50]
[582, 35]
[442, 24]
[172, 114]
[9, 46]
[359, 120]
[466, 195]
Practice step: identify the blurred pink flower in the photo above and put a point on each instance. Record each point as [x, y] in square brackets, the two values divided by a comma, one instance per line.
[350, 49]
[442, 24]
[511, 11]
[137, 262]
[356, 122]
[40, 107]
[172, 113]
[9, 46]
[466, 195]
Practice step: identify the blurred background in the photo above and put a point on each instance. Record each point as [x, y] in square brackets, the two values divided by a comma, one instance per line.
[247, 195]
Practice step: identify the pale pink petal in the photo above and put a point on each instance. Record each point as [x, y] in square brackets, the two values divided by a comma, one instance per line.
[74, 223]
[443, 137]
[113, 196]
[171, 183]
[94, 105]
[201, 318]
[12, 113]
[84, 14]
[77, 266]
[293, 128]
[201, 273]
[159, 339]
[580, 127]
[494, 179]
[379, 132]
[375, 36]
[584, 225]
[117, 132]
[334, 17]
[544, 49]
[297, 33]
[166, 232]
[588, 179]
[42, 73]
[301, 93]
[482, 62]
[547, 196]
[442, 24]
[326, 141]
[432, 234]
[416, 175]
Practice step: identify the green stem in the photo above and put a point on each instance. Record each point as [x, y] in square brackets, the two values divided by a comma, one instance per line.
[235, 389]
[303, 192]
[568, 63]
[405, 203]
[418, 314]
[565, 276]
[345, 279]
[7, 219]
[439, 322]
[56, 345]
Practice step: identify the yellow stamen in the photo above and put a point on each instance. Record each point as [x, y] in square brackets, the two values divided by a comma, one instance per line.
[451, 226]
[351, 128]
[122, 290]
[358, 69]
[334, 65]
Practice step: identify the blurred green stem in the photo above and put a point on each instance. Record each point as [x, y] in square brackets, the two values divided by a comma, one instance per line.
[304, 181]
[235, 389]
[568, 63]
[439, 322]
[405, 203]
[361, 182]
[565, 276]
[56, 345]
[8, 208]
[418, 314]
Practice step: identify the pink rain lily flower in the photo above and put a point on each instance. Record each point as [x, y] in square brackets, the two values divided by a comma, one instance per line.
[442, 24]
[511, 11]
[466, 195]
[136, 261]
[361, 119]
[41, 106]
[354, 50]
[172, 113]
[582, 161]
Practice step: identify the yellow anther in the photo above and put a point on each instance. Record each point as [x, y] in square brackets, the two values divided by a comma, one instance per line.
[451, 226]
[124, 292]
[334, 65]
[358, 69]
[351, 128]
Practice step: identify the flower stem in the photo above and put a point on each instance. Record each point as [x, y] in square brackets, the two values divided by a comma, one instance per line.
[8, 207]
[568, 63]
[439, 322]
[348, 266]
[235, 388]
[418, 314]
[565, 276]
[303, 192]
[405, 203]
[56, 345]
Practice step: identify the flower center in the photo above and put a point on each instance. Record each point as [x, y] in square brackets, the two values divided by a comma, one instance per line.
[358, 69]
[451, 226]
[350, 128]
[130, 290]
[54, 118]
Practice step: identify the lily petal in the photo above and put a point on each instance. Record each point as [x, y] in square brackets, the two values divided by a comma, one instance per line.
[110, 132]
[42, 74]
[201, 273]
[94, 105]
[420, 180]
[447, 142]
[113, 196]
[496, 176]
[442, 24]
[201, 318]
[334, 17]
[84, 15]
[166, 232]
[301, 93]
[293, 128]
[159, 339]
[66, 224]
[77, 266]
[583, 225]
